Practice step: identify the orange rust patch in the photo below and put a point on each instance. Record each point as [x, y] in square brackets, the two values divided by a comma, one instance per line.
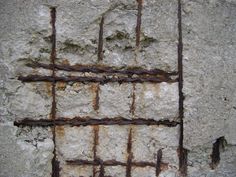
[48, 88]
[60, 131]
[61, 86]
[65, 62]
[96, 130]
[164, 166]
[95, 89]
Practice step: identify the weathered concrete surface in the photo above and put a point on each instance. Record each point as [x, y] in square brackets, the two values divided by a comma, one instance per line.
[68, 170]
[75, 100]
[149, 139]
[78, 25]
[159, 35]
[75, 143]
[78, 30]
[157, 101]
[25, 151]
[199, 162]
[115, 100]
[209, 83]
[209, 70]
[24, 35]
[113, 143]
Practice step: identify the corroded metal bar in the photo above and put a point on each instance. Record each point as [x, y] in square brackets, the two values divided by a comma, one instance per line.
[55, 162]
[110, 163]
[99, 69]
[95, 144]
[182, 151]
[158, 162]
[78, 121]
[100, 41]
[97, 97]
[132, 106]
[139, 20]
[101, 80]
[130, 155]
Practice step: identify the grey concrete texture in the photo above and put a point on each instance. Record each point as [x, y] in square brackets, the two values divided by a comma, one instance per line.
[198, 161]
[209, 84]
[209, 71]
[25, 151]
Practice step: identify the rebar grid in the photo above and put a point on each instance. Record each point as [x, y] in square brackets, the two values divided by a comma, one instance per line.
[131, 75]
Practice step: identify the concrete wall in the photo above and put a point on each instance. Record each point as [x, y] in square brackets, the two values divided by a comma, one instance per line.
[132, 88]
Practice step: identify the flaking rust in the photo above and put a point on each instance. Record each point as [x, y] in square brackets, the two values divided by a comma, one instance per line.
[61, 86]
[60, 131]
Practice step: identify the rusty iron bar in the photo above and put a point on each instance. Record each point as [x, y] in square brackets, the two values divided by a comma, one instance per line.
[132, 106]
[99, 69]
[111, 163]
[95, 162]
[100, 40]
[139, 21]
[88, 121]
[98, 162]
[182, 151]
[97, 98]
[158, 162]
[130, 155]
[101, 80]
[95, 144]
[55, 162]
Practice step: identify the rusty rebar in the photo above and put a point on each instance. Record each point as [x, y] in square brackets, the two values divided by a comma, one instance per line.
[89, 121]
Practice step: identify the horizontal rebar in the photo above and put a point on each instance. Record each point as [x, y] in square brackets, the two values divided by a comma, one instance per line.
[79, 121]
[98, 69]
[101, 80]
[111, 163]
